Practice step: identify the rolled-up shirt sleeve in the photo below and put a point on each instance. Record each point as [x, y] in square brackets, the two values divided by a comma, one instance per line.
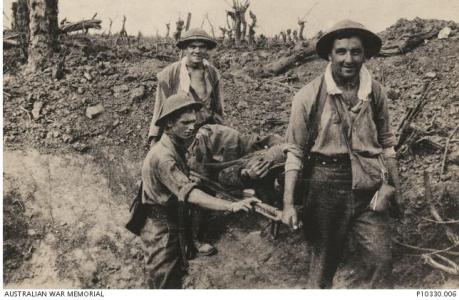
[297, 133]
[386, 136]
[175, 180]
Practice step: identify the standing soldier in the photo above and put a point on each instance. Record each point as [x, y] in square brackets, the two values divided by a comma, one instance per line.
[336, 116]
[167, 192]
[192, 75]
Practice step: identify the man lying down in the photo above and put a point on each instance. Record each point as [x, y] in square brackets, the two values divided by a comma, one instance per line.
[228, 162]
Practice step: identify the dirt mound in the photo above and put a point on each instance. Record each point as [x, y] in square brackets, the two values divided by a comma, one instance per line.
[404, 28]
[65, 205]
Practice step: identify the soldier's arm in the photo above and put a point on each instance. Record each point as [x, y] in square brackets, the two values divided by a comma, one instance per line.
[186, 190]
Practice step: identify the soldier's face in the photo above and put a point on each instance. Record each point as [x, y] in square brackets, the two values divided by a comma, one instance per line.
[196, 51]
[347, 57]
[184, 126]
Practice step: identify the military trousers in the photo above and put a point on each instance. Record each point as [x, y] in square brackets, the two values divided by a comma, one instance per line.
[333, 212]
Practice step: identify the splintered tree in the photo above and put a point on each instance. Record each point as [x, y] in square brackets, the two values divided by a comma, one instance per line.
[289, 37]
[239, 21]
[295, 35]
[300, 34]
[168, 28]
[123, 36]
[14, 10]
[284, 37]
[230, 30]
[21, 20]
[252, 28]
[188, 22]
[43, 33]
[110, 27]
[223, 30]
[178, 29]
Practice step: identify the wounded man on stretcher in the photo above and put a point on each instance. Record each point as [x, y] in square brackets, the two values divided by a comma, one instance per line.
[229, 162]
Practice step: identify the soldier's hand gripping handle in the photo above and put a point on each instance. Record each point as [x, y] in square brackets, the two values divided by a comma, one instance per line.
[245, 205]
[290, 217]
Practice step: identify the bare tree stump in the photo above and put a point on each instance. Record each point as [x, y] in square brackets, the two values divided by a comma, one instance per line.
[295, 36]
[284, 37]
[168, 27]
[188, 22]
[289, 37]
[22, 20]
[300, 33]
[252, 28]
[14, 11]
[43, 33]
[178, 29]
[110, 27]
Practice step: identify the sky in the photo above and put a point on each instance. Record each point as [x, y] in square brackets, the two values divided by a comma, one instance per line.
[150, 16]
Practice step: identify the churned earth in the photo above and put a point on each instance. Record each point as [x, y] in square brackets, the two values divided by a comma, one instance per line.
[73, 150]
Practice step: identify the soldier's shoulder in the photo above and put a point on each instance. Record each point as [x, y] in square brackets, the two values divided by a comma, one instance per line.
[214, 71]
[168, 70]
[309, 90]
[158, 153]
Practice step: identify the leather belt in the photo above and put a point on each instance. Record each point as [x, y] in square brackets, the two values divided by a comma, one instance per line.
[330, 160]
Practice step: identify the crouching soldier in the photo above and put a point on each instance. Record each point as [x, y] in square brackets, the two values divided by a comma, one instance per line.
[168, 192]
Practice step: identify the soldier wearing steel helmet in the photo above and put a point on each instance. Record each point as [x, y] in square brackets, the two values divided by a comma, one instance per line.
[192, 75]
[168, 193]
[343, 111]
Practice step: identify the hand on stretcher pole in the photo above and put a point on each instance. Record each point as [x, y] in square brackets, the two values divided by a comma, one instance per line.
[263, 209]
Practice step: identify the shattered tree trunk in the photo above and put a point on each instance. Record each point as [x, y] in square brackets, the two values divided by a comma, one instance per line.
[223, 30]
[285, 63]
[289, 37]
[295, 35]
[243, 23]
[168, 27]
[44, 32]
[300, 33]
[14, 11]
[237, 29]
[188, 22]
[284, 37]
[252, 28]
[22, 20]
[110, 27]
[178, 29]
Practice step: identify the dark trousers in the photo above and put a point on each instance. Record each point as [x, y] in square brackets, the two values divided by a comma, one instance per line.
[332, 212]
[163, 261]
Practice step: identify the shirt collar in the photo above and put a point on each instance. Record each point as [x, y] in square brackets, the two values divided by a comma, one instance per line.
[185, 77]
[173, 145]
[364, 83]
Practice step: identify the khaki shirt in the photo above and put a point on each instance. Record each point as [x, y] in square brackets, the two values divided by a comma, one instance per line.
[165, 174]
[371, 132]
[174, 79]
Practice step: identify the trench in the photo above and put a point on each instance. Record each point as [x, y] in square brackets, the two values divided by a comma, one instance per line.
[64, 217]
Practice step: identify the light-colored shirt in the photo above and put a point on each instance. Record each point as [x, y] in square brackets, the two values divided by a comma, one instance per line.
[165, 174]
[175, 78]
[371, 132]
